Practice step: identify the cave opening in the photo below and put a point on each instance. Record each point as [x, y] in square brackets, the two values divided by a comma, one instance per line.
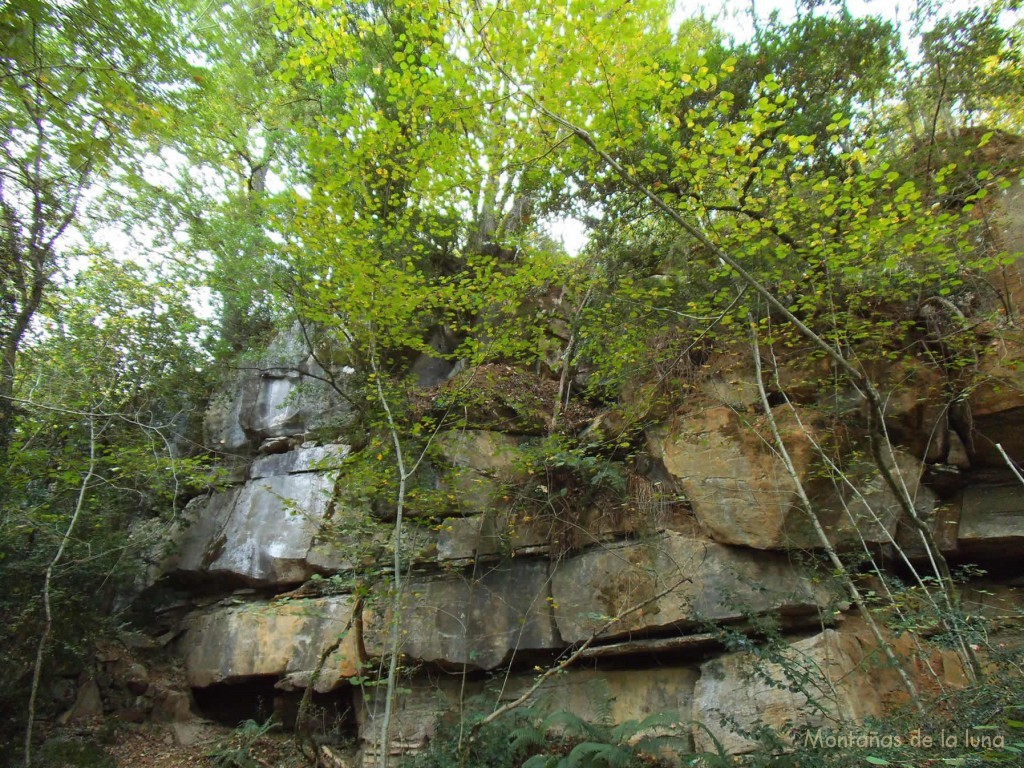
[330, 716]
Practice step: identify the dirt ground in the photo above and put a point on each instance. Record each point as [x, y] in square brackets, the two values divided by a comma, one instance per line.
[195, 744]
[148, 748]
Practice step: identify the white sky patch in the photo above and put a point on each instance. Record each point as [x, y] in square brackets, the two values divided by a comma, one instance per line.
[570, 232]
[734, 16]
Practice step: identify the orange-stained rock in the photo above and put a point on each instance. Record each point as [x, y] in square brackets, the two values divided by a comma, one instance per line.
[833, 680]
[742, 493]
[997, 401]
[287, 638]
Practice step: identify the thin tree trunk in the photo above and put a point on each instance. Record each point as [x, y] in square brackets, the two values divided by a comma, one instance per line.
[37, 670]
[826, 545]
[396, 610]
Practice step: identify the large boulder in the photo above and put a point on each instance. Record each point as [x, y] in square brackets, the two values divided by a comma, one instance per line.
[262, 531]
[286, 638]
[834, 679]
[283, 392]
[679, 583]
[475, 621]
[742, 493]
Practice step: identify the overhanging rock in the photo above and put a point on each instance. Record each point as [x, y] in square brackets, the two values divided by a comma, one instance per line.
[673, 582]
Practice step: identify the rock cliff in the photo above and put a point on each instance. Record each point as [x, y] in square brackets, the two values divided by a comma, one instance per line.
[662, 573]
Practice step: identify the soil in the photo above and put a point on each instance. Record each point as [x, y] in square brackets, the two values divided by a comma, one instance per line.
[158, 746]
[153, 746]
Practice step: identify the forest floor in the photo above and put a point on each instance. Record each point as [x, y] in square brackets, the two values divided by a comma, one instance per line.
[156, 747]
[194, 744]
[198, 743]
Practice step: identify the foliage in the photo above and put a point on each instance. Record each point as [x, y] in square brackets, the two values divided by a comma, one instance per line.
[385, 171]
[391, 243]
[112, 368]
[496, 397]
[568, 491]
[221, 169]
[565, 740]
[977, 726]
[451, 748]
[79, 84]
[970, 73]
[532, 737]
[826, 63]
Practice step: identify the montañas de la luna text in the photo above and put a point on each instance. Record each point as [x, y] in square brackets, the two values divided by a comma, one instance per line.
[867, 740]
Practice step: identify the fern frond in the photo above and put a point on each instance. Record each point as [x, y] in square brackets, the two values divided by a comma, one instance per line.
[627, 730]
[720, 760]
[588, 753]
[572, 726]
[599, 693]
[621, 757]
[541, 761]
[525, 737]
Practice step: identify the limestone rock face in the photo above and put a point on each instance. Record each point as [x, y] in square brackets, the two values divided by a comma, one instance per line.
[231, 644]
[222, 426]
[463, 538]
[480, 462]
[997, 402]
[262, 531]
[316, 458]
[992, 521]
[285, 392]
[917, 408]
[271, 528]
[742, 493]
[700, 580]
[480, 621]
[822, 681]
[415, 716]
[730, 688]
[1008, 222]
[615, 695]
[700, 532]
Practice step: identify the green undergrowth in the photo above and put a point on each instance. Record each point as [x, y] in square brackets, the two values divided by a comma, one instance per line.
[973, 726]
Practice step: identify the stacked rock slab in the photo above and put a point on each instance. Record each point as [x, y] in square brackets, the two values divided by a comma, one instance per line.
[260, 532]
